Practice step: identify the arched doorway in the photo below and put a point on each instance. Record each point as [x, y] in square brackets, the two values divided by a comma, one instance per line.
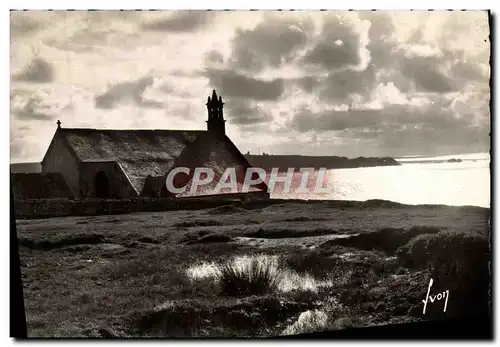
[101, 184]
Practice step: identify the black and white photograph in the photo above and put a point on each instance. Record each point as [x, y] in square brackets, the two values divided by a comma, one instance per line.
[249, 174]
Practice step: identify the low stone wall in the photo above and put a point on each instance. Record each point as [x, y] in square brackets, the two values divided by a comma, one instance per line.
[46, 208]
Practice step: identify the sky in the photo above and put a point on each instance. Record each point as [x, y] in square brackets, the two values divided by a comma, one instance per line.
[367, 83]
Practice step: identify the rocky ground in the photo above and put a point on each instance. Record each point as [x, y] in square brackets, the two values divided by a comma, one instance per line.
[156, 274]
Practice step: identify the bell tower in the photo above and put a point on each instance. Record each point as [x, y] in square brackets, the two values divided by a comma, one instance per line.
[215, 123]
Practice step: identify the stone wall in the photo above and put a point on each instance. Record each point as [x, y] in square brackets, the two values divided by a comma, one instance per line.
[46, 208]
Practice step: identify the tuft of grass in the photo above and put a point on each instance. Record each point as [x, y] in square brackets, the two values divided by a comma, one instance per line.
[256, 278]
[331, 317]
[262, 273]
[308, 322]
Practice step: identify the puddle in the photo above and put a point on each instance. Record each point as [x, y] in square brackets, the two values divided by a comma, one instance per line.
[391, 259]
[346, 256]
[289, 279]
[110, 246]
[306, 242]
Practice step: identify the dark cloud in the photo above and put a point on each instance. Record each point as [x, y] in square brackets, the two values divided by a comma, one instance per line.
[339, 87]
[397, 130]
[425, 73]
[379, 45]
[243, 113]
[213, 57]
[381, 24]
[127, 92]
[34, 109]
[464, 71]
[395, 115]
[330, 55]
[331, 120]
[182, 21]
[307, 83]
[232, 84]
[21, 25]
[409, 71]
[395, 76]
[435, 141]
[37, 71]
[338, 48]
[271, 43]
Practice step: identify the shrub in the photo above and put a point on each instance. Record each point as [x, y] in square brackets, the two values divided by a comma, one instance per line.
[385, 239]
[458, 262]
[258, 277]
[448, 254]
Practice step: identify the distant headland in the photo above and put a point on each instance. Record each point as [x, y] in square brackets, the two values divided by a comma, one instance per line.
[283, 162]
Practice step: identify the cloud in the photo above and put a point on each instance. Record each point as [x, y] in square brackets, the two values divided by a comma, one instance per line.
[214, 57]
[428, 58]
[306, 83]
[34, 108]
[37, 71]
[97, 32]
[181, 22]
[380, 34]
[242, 113]
[396, 130]
[426, 74]
[127, 92]
[339, 87]
[369, 83]
[401, 116]
[233, 84]
[342, 44]
[20, 24]
[428, 140]
[271, 43]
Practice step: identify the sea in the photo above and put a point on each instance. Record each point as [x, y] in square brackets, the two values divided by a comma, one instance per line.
[418, 180]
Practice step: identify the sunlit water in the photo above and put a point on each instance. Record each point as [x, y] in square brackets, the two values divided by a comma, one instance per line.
[419, 180]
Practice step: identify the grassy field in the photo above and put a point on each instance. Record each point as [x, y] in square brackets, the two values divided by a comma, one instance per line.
[228, 271]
